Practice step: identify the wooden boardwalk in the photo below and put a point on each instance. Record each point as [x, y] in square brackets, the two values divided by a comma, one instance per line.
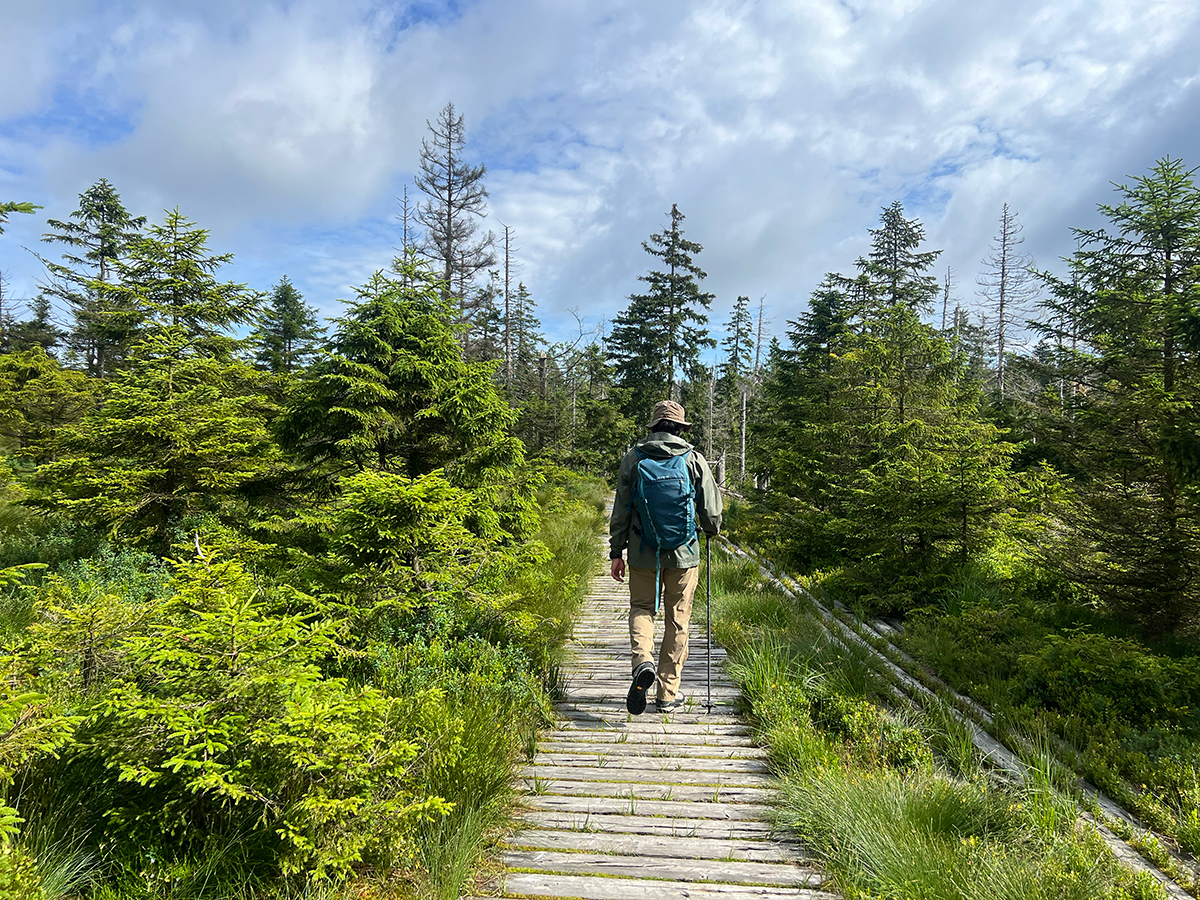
[650, 807]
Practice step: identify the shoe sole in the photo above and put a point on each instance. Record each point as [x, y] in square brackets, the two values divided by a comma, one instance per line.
[635, 700]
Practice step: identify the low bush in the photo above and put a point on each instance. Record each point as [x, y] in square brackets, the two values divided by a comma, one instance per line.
[218, 727]
[899, 809]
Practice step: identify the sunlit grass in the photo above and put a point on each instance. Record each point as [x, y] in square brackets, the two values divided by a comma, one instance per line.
[899, 803]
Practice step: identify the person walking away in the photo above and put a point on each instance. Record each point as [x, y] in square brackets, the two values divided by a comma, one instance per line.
[665, 492]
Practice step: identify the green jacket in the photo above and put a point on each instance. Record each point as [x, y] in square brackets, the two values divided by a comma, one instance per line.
[624, 527]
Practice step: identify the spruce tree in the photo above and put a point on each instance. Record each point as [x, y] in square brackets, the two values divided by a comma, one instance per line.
[1127, 328]
[457, 200]
[169, 281]
[872, 437]
[288, 330]
[38, 330]
[738, 346]
[1008, 288]
[38, 397]
[179, 435]
[895, 270]
[659, 336]
[97, 237]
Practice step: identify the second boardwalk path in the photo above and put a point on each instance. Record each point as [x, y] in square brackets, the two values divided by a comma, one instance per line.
[650, 807]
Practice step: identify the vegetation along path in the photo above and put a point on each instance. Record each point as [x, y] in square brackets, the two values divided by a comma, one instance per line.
[653, 806]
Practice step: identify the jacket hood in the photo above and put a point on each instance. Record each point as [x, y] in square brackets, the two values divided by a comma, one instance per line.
[663, 445]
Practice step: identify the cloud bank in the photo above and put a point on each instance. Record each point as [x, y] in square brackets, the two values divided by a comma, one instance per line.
[779, 128]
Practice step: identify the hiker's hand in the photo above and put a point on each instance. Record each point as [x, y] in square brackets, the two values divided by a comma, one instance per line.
[618, 569]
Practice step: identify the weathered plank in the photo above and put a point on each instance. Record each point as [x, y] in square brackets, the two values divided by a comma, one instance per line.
[620, 866]
[653, 725]
[650, 807]
[641, 791]
[616, 714]
[615, 774]
[583, 805]
[678, 846]
[643, 759]
[591, 887]
[598, 825]
[657, 738]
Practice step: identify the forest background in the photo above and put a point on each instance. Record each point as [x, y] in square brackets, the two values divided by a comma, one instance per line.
[240, 547]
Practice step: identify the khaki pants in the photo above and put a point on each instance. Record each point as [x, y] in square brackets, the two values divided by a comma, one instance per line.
[678, 588]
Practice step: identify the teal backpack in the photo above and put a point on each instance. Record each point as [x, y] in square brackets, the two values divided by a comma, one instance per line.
[664, 496]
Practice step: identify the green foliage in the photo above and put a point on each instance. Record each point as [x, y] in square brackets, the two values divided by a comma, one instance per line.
[14, 207]
[178, 434]
[1102, 678]
[1123, 335]
[211, 705]
[395, 394]
[889, 817]
[97, 237]
[661, 333]
[169, 279]
[18, 873]
[288, 331]
[1125, 712]
[38, 397]
[874, 440]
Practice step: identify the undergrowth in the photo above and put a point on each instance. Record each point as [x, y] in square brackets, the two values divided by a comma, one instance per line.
[898, 803]
[328, 755]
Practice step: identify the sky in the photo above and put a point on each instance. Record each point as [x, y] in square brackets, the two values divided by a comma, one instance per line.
[289, 129]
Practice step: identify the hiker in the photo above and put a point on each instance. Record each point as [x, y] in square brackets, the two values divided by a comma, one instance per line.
[678, 497]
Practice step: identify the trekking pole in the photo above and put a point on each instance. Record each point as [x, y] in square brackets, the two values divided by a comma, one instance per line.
[708, 610]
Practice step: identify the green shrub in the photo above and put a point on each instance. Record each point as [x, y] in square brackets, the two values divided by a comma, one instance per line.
[210, 707]
[18, 874]
[1101, 678]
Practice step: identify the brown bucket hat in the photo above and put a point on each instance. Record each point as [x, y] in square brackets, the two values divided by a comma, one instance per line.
[667, 411]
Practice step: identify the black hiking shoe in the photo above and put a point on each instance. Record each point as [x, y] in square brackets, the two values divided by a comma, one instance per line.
[643, 677]
[666, 706]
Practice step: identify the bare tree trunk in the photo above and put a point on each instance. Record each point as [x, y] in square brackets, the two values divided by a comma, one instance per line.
[946, 297]
[758, 343]
[712, 382]
[508, 356]
[742, 463]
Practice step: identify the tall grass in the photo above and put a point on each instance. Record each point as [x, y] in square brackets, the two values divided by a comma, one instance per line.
[898, 802]
[478, 779]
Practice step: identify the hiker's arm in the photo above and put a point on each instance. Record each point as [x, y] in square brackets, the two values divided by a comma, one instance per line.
[709, 504]
[618, 525]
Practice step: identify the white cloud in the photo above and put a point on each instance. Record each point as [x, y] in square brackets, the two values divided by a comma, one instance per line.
[779, 128]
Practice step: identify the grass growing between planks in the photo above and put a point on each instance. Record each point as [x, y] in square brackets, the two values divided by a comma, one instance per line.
[899, 805]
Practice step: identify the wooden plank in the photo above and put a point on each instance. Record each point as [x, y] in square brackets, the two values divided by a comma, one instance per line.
[579, 689]
[623, 806]
[608, 679]
[613, 825]
[641, 791]
[622, 756]
[616, 714]
[682, 774]
[727, 693]
[631, 738]
[591, 887]
[705, 870]
[654, 725]
[679, 846]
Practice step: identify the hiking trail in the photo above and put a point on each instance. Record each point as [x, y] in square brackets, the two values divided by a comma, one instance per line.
[651, 807]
